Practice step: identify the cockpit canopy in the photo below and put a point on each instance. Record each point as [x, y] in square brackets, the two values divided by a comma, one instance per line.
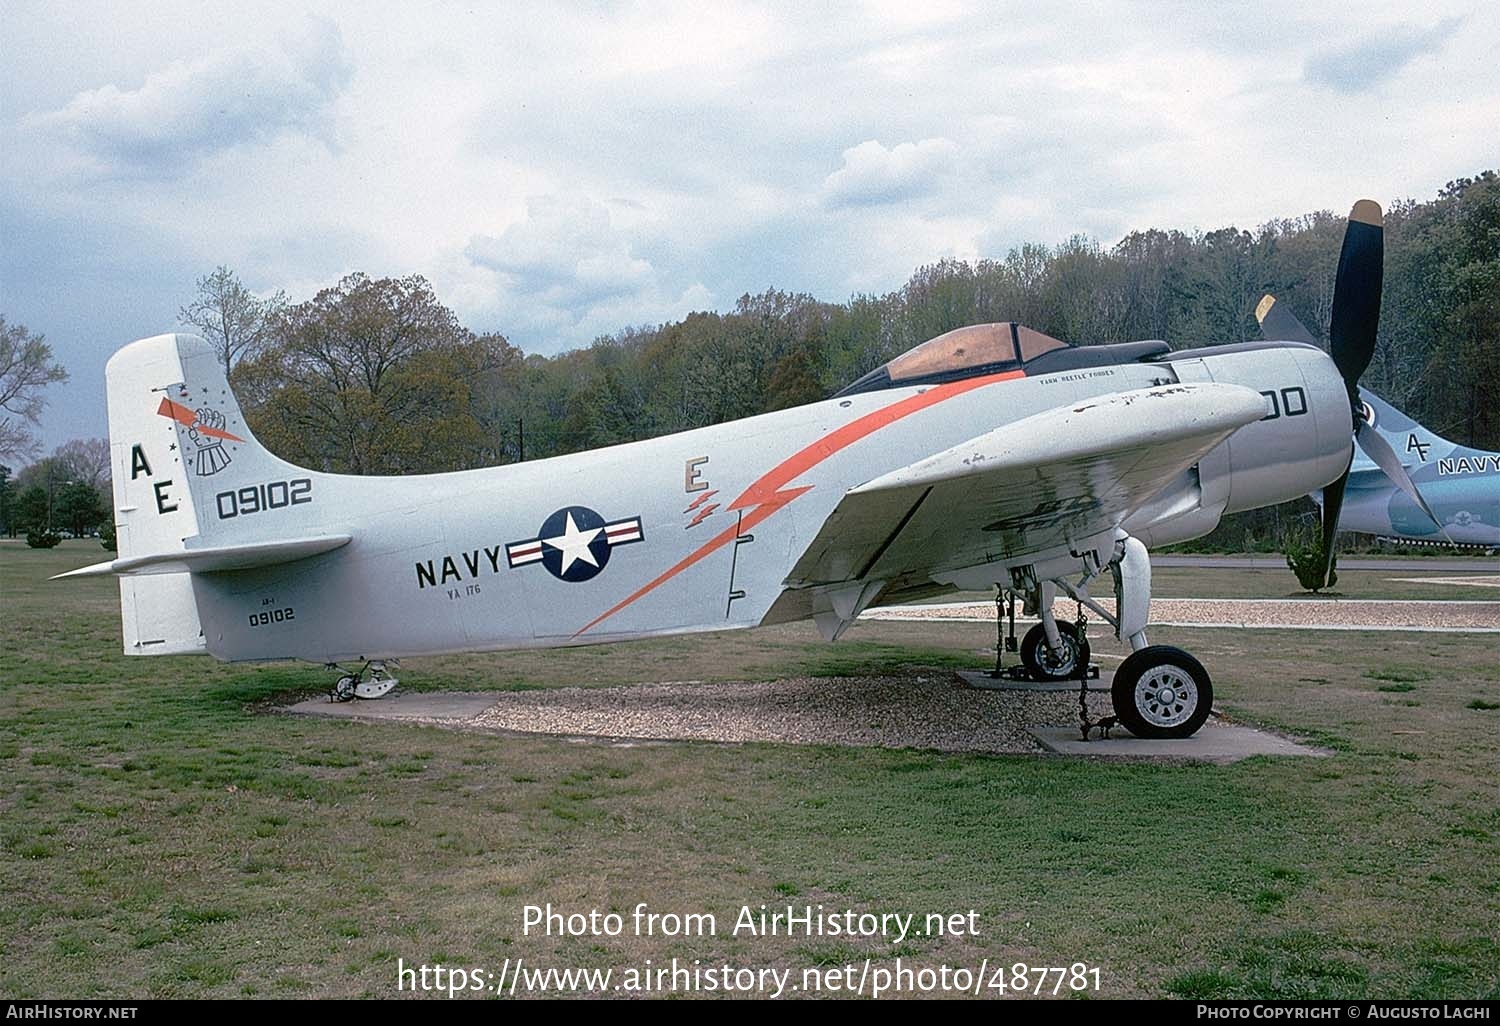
[982, 349]
[961, 353]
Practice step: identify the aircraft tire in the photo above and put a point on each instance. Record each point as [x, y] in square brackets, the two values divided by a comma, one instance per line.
[344, 688]
[1162, 692]
[1036, 657]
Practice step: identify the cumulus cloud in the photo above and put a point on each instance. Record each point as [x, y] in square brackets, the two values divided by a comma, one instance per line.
[1355, 68]
[565, 272]
[193, 108]
[873, 174]
[565, 251]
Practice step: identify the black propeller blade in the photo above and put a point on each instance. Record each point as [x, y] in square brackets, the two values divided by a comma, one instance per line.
[1277, 321]
[1351, 337]
[1356, 295]
[1351, 334]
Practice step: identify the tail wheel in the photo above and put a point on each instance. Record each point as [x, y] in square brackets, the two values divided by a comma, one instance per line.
[1162, 691]
[1043, 663]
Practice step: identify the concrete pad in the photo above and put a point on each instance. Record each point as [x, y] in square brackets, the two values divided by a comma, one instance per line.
[422, 708]
[1211, 744]
[982, 680]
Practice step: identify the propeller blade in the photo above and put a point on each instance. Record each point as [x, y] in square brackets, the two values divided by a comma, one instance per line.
[1379, 450]
[1333, 505]
[1278, 322]
[1356, 293]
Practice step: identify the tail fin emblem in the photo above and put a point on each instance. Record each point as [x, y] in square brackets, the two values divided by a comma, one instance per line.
[206, 429]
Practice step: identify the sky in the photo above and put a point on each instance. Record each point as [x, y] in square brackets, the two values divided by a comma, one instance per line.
[560, 171]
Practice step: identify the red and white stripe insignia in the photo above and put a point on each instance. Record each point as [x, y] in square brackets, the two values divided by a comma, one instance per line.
[521, 553]
[622, 532]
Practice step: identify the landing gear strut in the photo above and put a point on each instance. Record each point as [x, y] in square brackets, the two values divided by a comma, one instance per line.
[369, 681]
[1158, 691]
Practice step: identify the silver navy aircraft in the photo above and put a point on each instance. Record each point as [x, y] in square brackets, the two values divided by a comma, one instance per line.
[992, 456]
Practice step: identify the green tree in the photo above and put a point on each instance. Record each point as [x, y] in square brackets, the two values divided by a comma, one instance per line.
[78, 506]
[373, 376]
[377, 376]
[31, 509]
[793, 381]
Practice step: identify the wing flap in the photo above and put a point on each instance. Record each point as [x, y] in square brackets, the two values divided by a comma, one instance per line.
[214, 558]
[1040, 483]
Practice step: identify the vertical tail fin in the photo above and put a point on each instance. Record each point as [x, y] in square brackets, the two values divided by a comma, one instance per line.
[187, 474]
[153, 509]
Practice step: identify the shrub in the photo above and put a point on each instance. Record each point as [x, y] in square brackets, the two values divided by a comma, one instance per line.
[42, 539]
[107, 536]
[1305, 556]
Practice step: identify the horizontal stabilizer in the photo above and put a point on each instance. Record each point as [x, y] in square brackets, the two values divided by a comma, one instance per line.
[215, 558]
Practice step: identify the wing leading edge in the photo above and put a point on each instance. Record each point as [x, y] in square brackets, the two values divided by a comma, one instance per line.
[1033, 486]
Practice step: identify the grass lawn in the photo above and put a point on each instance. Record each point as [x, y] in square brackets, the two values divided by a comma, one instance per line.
[162, 835]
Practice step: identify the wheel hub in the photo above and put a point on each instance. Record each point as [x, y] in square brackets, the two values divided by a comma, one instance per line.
[1166, 696]
[1063, 657]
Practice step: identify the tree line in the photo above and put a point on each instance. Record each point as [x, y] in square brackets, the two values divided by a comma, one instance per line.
[377, 376]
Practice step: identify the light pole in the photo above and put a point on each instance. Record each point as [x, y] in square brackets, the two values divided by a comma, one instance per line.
[51, 466]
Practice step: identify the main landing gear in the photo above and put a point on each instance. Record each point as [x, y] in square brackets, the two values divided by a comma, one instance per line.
[1161, 691]
[369, 681]
[1046, 663]
[1158, 691]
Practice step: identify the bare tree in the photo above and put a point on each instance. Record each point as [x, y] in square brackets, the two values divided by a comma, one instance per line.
[234, 320]
[26, 367]
[87, 460]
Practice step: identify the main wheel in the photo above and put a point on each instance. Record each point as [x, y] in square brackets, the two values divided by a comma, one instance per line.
[1162, 691]
[1045, 664]
[344, 688]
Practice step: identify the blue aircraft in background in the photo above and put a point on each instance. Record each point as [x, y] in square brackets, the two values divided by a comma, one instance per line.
[1461, 485]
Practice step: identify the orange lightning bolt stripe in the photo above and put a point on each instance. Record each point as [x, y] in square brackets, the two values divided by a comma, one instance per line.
[770, 493]
[704, 514]
[700, 500]
[188, 419]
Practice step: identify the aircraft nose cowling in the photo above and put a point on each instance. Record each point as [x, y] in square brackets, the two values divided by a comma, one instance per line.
[1306, 438]
[1328, 401]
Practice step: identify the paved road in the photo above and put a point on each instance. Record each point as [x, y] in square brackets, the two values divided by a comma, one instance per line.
[1490, 565]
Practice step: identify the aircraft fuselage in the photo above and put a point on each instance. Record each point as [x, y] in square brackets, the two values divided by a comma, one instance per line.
[694, 531]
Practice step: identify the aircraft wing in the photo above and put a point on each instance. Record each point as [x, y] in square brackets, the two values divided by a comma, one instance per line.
[1030, 486]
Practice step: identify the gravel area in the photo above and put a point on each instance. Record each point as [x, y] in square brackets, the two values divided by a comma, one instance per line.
[917, 711]
[1321, 614]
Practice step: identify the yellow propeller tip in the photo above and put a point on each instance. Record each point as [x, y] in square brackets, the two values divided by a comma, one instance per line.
[1367, 212]
[1264, 307]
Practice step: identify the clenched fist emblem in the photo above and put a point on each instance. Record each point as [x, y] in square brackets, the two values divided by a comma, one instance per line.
[211, 455]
